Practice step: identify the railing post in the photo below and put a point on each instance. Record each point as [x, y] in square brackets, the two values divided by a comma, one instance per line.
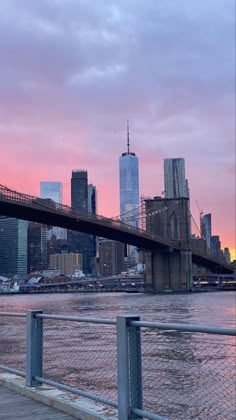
[129, 369]
[34, 351]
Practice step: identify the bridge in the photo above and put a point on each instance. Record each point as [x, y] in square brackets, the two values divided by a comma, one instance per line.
[168, 262]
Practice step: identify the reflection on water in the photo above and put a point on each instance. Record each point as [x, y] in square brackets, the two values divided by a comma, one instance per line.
[185, 375]
[215, 309]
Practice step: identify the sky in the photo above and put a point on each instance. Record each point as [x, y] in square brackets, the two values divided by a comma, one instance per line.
[73, 72]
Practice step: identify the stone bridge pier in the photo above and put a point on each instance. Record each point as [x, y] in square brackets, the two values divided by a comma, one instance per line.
[168, 270]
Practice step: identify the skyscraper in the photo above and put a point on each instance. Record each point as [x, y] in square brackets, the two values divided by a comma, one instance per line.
[13, 247]
[129, 193]
[205, 223]
[92, 199]
[53, 190]
[176, 185]
[37, 247]
[92, 208]
[79, 190]
[79, 242]
[215, 246]
[129, 185]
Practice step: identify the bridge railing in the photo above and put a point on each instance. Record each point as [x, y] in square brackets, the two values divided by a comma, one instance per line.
[141, 369]
[48, 204]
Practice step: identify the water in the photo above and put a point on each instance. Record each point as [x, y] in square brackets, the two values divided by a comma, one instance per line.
[185, 375]
[212, 308]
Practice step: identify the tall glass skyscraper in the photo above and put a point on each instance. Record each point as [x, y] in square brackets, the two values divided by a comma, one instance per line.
[176, 185]
[13, 247]
[205, 224]
[129, 186]
[53, 190]
[129, 193]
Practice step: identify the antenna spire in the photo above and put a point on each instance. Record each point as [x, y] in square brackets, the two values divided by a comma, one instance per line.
[128, 136]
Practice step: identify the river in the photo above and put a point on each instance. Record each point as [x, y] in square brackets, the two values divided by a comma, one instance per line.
[185, 375]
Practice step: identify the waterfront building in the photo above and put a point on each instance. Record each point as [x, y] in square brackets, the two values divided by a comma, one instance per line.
[215, 246]
[79, 242]
[175, 184]
[129, 192]
[37, 247]
[66, 263]
[13, 247]
[53, 190]
[111, 257]
[205, 224]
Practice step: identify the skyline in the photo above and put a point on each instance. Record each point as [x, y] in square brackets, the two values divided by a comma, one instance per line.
[72, 74]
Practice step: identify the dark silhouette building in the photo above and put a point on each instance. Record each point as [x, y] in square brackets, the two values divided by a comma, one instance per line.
[79, 242]
[216, 246]
[37, 247]
[92, 208]
[111, 257]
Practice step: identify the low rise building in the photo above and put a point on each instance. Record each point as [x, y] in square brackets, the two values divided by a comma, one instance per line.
[66, 263]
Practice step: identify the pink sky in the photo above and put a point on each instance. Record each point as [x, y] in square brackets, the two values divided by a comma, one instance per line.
[73, 72]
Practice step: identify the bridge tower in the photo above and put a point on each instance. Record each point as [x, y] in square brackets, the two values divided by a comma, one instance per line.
[169, 269]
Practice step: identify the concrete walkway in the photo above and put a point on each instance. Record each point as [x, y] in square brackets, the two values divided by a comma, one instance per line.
[14, 406]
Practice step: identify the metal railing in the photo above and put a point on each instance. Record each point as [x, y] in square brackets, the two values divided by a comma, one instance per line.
[143, 369]
[51, 206]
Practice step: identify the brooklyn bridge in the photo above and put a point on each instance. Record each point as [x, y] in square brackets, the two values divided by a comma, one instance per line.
[168, 261]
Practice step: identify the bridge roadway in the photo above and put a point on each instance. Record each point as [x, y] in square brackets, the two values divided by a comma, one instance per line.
[26, 207]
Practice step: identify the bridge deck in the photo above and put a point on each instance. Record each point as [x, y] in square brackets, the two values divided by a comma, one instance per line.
[15, 406]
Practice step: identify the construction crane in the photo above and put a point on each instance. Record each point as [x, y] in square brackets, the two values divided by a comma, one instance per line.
[200, 211]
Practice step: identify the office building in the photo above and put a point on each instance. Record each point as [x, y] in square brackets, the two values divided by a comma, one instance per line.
[205, 224]
[79, 190]
[92, 208]
[216, 246]
[13, 247]
[129, 193]
[226, 255]
[53, 191]
[79, 242]
[66, 263]
[129, 186]
[175, 184]
[111, 257]
[37, 247]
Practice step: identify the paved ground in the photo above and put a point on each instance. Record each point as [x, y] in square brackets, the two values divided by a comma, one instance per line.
[18, 407]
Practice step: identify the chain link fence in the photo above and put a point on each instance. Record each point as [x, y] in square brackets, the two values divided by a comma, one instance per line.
[168, 372]
[188, 375]
[13, 342]
[81, 355]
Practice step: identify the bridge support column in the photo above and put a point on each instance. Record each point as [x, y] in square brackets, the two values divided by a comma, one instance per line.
[169, 270]
[148, 270]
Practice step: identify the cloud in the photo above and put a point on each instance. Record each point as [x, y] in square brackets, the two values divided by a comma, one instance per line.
[73, 72]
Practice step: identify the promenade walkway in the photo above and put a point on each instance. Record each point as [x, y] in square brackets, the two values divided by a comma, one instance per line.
[15, 406]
